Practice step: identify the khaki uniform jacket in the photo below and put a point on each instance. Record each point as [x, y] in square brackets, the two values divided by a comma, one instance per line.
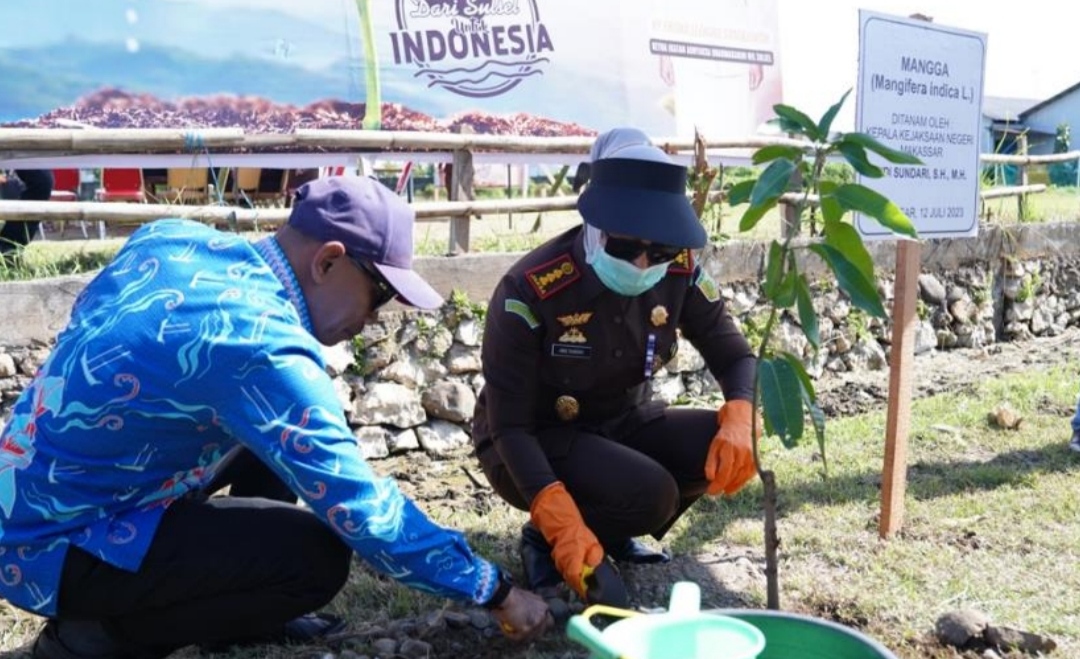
[560, 348]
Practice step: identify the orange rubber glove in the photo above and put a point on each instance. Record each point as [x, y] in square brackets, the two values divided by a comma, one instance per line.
[574, 548]
[730, 463]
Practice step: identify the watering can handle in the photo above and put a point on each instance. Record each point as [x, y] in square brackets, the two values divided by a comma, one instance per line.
[580, 629]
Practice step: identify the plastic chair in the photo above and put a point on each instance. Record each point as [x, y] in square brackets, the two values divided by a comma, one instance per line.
[184, 185]
[65, 185]
[121, 185]
[245, 185]
[65, 188]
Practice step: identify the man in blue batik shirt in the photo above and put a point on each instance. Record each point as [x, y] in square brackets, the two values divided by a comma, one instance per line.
[191, 362]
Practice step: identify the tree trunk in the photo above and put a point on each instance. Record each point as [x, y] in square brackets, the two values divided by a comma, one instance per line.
[772, 541]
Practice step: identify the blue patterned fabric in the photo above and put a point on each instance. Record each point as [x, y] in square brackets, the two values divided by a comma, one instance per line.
[191, 342]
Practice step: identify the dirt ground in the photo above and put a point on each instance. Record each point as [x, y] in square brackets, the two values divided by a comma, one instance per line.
[727, 575]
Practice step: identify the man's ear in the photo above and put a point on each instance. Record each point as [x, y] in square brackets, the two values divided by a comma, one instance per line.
[325, 258]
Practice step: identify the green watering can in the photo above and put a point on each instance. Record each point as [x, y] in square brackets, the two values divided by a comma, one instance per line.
[684, 632]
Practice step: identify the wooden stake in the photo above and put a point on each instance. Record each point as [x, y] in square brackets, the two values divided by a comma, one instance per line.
[897, 424]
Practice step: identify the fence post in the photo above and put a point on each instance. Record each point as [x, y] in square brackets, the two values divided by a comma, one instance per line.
[1021, 199]
[791, 212]
[461, 188]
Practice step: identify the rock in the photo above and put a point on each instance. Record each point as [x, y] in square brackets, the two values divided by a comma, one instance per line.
[451, 401]
[479, 618]
[406, 440]
[931, 290]
[686, 359]
[384, 647]
[414, 649]
[373, 441]
[463, 360]
[7, 365]
[958, 628]
[349, 654]
[1004, 416]
[338, 358]
[468, 332]
[389, 403]
[1009, 639]
[925, 338]
[440, 437]
[456, 619]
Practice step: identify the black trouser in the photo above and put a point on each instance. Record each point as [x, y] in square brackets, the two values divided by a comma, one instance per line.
[624, 486]
[221, 569]
[39, 185]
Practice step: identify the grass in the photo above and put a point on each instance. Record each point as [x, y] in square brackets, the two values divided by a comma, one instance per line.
[509, 233]
[990, 523]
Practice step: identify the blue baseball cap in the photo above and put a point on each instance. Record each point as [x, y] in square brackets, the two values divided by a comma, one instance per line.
[374, 224]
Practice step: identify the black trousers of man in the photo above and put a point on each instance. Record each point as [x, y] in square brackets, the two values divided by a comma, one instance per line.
[625, 483]
[220, 569]
[37, 186]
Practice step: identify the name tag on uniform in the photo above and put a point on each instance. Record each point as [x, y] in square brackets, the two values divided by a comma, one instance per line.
[572, 351]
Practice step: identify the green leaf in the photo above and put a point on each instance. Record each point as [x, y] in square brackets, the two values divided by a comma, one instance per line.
[793, 117]
[800, 371]
[740, 192]
[785, 295]
[807, 315]
[856, 157]
[888, 153]
[862, 199]
[831, 210]
[773, 182]
[825, 125]
[847, 240]
[781, 400]
[769, 153]
[754, 214]
[809, 398]
[861, 290]
[774, 270]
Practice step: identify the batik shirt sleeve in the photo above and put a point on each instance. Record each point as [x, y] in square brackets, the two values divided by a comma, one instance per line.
[286, 411]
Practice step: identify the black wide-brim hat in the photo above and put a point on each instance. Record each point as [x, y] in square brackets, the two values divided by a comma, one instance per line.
[644, 199]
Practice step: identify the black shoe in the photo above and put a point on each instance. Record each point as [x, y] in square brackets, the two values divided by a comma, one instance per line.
[535, 552]
[307, 629]
[84, 639]
[634, 551]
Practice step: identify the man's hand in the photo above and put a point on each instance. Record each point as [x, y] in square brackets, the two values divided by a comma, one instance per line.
[730, 463]
[523, 616]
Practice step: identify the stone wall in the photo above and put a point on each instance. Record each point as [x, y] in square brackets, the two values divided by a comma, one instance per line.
[410, 381]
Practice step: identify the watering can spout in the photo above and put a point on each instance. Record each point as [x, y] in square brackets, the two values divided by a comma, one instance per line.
[685, 599]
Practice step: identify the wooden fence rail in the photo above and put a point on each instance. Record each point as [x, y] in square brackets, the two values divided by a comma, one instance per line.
[18, 143]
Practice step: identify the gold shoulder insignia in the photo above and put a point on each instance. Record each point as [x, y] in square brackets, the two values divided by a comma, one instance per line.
[551, 277]
[683, 263]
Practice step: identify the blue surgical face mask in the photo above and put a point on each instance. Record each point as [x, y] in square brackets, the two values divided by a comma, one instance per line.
[624, 277]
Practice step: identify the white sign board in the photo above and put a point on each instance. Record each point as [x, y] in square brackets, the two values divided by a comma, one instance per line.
[920, 91]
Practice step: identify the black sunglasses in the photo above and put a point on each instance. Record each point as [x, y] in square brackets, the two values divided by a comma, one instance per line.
[384, 292]
[629, 249]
